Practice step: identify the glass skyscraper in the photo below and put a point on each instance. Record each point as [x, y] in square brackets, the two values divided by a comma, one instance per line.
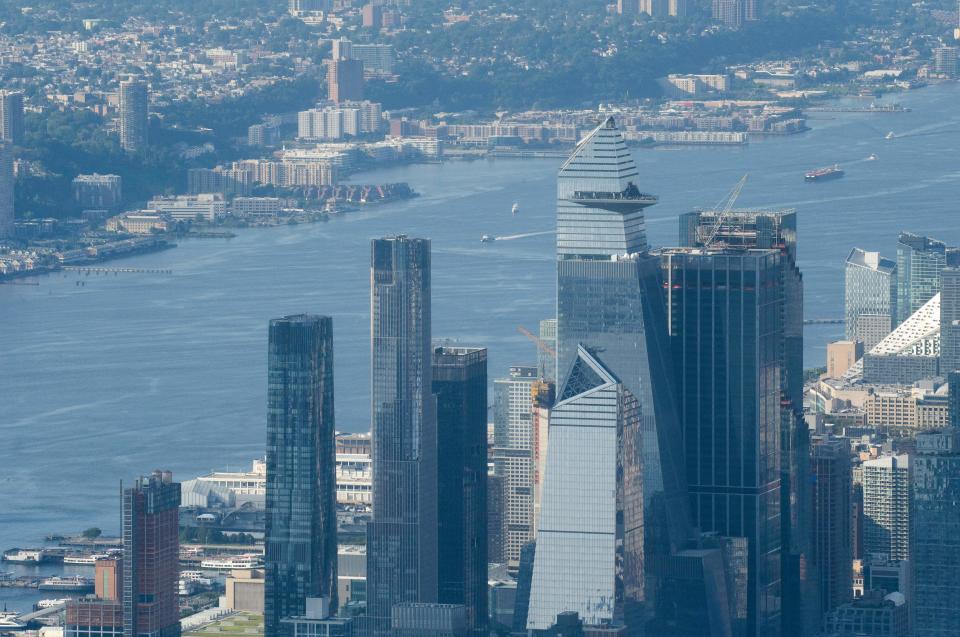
[935, 535]
[402, 536]
[919, 262]
[589, 550]
[301, 516]
[949, 321]
[460, 385]
[727, 334]
[870, 297]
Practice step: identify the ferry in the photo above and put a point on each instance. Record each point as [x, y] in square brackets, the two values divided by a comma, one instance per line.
[10, 621]
[72, 583]
[872, 157]
[487, 239]
[50, 603]
[87, 560]
[515, 209]
[821, 174]
[26, 556]
[230, 563]
[890, 135]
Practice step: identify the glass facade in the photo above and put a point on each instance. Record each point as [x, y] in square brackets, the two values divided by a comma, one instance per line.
[301, 521]
[589, 551]
[460, 385]
[725, 313]
[935, 535]
[870, 297]
[832, 529]
[886, 507]
[919, 262]
[949, 321]
[402, 536]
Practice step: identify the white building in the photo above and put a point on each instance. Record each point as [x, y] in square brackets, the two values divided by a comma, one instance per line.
[886, 507]
[209, 206]
[256, 206]
[146, 222]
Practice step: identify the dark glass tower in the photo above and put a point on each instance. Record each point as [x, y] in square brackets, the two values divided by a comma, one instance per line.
[151, 547]
[301, 526]
[460, 385]
[832, 529]
[402, 536]
[725, 309]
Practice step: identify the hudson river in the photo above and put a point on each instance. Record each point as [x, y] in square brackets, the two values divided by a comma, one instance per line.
[126, 373]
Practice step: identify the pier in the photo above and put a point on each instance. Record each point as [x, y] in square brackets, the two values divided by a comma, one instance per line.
[99, 270]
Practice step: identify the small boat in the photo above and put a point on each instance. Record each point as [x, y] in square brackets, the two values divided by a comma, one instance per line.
[74, 583]
[872, 157]
[515, 209]
[890, 135]
[487, 239]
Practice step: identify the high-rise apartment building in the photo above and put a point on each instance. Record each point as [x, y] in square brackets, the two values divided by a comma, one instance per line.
[831, 472]
[919, 262]
[886, 507]
[134, 115]
[543, 394]
[870, 297]
[344, 80]
[460, 385]
[949, 320]
[934, 535]
[513, 438]
[301, 516]
[945, 60]
[151, 554]
[729, 12]
[726, 329]
[589, 551]
[11, 117]
[402, 536]
[97, 192]
[6, 190]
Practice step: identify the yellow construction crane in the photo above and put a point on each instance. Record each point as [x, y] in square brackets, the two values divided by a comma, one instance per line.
[543, 347]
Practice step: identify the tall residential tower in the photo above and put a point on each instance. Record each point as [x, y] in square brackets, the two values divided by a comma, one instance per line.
[134, 115]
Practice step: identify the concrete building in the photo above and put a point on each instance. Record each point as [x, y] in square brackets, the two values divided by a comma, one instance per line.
[134, 115]
[139, 223]
[513, 454]
[6, 190]
[841, 356]
[378, 59]
[245, 590]
[870, 297]
[344, 80]
[876, 614]
[945, 61]
[934, 534]
[11, 117]
[318, 620]
[886, 507]
[207, 206]
[101, 192]
[429, 620]
[255, 206]
[905, 410]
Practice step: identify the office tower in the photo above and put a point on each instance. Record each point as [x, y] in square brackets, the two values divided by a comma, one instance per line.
[886, 507]
[460, 385]
[762, 230]
[6, 191]
[513, 453]
[934, 534]
[831, 471]
[949, 320]
[953, 388]
[945, 60]
[402, 536]
[11, 117]
[301, 516]
[609, 299]
[589, 555]
[725, 309]
[344, 80]
[919, 262]
[870, 297]
[547, 352]
[134, 115]
[841, 356]
[151, 554]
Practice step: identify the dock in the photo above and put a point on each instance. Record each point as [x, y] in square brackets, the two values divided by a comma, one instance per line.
[101, 270]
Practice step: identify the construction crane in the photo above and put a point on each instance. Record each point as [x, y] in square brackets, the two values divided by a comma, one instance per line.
[731, 199]
[543, 347]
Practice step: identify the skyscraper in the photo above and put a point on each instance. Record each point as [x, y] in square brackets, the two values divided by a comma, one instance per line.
[725, 309]
[460, 385]
[301, 520]
[344, 80]
[6, 190]
[934, 534]
[513, 438]
[11, 117]
[886, 507]
[547, 352]
[870, 297]
[402, 536]
[832, 534]
[609, 299]
[919, 262]
[589, 551]
[953, 387]
[134, 115]
[949, 320]
[151, 553]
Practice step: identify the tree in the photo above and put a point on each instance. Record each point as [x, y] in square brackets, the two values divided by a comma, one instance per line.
[92, 533]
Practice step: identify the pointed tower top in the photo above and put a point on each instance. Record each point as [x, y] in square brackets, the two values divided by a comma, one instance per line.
[586, 374]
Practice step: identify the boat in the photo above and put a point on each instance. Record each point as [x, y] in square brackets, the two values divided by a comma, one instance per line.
[230, 563]
[26, 556]
[72, 583]
[890, 135]
[10, 621]
[487, 239]
[88, 560]
[872, 157]
[50, 603]
[821, 174]
[515, 209]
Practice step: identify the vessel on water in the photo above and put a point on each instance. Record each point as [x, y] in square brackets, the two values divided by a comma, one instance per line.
[72, 583]
[10, 621]
[26, 556]
[872, 157]
[822, 174]
[229, 563]
[515, 209]
[51, 603]
[487, 239]
[890, 135]
[87, 560]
